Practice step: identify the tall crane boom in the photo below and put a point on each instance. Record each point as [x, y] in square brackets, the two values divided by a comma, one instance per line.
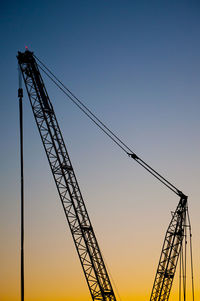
[72, 201]
[170, 253]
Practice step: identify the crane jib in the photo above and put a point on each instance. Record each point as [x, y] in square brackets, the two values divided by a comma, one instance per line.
[62, 170]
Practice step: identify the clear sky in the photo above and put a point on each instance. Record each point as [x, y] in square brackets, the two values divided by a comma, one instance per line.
[136, 64]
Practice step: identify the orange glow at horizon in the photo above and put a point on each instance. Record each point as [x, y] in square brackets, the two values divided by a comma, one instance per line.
[136, 65]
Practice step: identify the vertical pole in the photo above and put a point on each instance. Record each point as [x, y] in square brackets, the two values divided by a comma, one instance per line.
[185, 258]
[20, 95]
[180, 275]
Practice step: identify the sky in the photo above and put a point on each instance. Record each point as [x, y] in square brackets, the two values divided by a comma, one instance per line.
[136, 64]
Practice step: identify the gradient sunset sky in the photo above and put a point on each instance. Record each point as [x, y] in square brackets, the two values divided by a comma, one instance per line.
[136, 64]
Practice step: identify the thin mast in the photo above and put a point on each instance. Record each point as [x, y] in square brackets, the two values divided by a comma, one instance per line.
[20, 95]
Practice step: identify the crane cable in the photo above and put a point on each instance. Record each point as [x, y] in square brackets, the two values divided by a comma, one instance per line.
[180, 275]
[191, 256]
[182, 260]
[111, 277]
[104, 128]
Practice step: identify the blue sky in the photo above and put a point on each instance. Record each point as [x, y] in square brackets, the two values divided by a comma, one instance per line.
[136, 65]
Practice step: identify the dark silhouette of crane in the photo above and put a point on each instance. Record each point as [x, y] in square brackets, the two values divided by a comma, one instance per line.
[71, 198]
[170, 253]
[72, 201]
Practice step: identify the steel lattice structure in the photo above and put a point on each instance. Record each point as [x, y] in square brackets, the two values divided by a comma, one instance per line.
[72, 201]
[170, 253]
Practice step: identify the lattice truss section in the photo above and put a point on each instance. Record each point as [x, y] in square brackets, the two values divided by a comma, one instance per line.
[170, 253]
[65, 179]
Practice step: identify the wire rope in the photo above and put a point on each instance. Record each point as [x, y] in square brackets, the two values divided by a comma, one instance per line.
[185, 261]
[110, 274]
[105, 128]
[92, 119]
[183, 273]
[191, 255]
[180, 275]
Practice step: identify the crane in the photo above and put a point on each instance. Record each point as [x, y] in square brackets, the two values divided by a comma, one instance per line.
[68, 189]
[71, 198]
[170, 253]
